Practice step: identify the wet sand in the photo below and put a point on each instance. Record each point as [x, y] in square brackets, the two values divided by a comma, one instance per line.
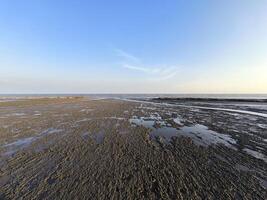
[80, 148]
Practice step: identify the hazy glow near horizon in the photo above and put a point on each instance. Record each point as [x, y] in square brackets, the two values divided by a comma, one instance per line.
[57, 46]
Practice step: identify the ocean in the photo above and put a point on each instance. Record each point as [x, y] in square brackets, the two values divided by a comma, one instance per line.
[219, 96]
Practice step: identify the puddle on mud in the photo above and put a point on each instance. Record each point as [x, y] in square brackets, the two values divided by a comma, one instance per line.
[142, 122]
[19, 144]
[167, 133]
[203, 136]
[256, 154]
[96, 118]
[87, 110]
[117, 118]
[150, 122]
[264, 126]
[85, 136]
[200, 134]
[98, 137]
[83, 120]
[15, 114]
[178, 121]
[13, 147]
[51, 131]
[43, 146]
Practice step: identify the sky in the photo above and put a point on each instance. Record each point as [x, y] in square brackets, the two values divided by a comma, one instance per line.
[140, 46]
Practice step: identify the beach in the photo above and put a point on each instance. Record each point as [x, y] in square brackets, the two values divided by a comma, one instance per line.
[78, 147]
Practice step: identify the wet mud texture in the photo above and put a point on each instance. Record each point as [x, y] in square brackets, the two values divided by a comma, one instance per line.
[85, 149]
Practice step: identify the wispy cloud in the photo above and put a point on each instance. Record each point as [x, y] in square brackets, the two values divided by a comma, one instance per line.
[134, 63]
[127, 56]
[161, 73]
[166, 76]
[138, 68]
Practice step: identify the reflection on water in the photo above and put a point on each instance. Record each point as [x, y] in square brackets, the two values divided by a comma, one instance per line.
[13, 147]
[142, 122]
[178, 121]
[98, 137]
[200, 134]
[50, 131]
[255, 154]
[167, 133]
[17, 145]
[20, 142]
[85, 135]
[203, 136]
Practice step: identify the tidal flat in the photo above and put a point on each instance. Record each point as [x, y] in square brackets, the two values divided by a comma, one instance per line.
[84, 148]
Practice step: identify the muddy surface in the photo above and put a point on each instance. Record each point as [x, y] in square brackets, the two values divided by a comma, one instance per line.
[79, 148]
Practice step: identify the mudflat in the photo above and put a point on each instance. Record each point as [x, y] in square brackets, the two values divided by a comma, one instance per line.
[81, 148]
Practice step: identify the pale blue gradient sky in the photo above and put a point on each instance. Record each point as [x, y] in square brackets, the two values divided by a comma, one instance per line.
[67, 46]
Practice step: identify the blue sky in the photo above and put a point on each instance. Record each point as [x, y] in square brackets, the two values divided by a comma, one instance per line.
[67, 46]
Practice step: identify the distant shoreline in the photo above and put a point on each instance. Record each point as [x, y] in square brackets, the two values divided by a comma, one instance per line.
[154, 97]
[260, 100]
